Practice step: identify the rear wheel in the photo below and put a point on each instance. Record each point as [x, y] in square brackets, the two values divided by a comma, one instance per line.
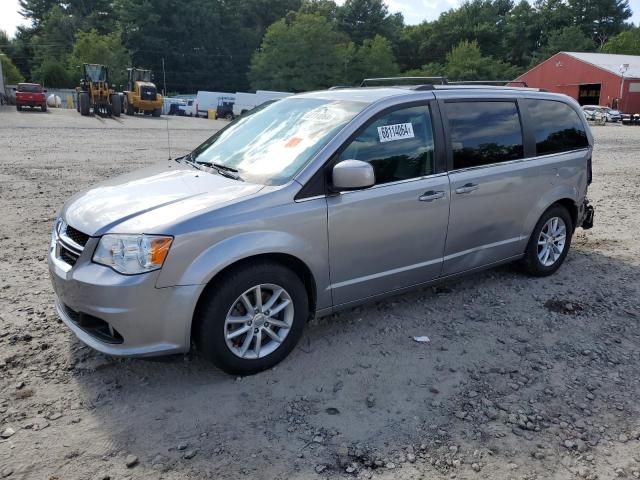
[157, 112]
[19, 108]
[549, 242]
[84, 103]
[44, 107]
[252, 318]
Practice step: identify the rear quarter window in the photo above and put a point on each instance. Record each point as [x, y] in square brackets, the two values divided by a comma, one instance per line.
[557, 127]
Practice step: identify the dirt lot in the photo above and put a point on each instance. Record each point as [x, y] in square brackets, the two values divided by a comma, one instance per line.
[523, 378]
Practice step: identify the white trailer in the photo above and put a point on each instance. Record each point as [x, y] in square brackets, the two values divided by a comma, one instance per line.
[248, 101]
[208, 100]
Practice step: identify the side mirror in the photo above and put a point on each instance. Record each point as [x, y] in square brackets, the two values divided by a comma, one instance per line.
[15, 89]
[44, 91]
[352, 175]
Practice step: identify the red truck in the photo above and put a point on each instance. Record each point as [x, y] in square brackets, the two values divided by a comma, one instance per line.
[31, 95]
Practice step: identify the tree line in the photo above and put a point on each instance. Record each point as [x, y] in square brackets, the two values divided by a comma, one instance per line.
[297, 45]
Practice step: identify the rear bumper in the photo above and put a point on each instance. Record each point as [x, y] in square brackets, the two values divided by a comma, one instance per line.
[588, 214]
[30, 103]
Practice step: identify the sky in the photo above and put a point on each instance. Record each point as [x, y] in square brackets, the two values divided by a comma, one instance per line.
[414, 11]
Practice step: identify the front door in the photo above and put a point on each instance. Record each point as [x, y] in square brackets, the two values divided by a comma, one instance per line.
[391, 235]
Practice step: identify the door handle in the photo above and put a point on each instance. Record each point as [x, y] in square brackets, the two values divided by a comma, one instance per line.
[467, 188]
[430, 196]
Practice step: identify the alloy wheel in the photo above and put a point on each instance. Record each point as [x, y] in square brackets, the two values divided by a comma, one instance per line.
[552, 240]
[259, 321]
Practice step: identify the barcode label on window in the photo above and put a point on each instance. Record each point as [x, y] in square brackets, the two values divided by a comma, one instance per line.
[389, 133]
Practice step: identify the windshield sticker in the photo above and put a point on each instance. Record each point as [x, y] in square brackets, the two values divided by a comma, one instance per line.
[293, 142]
[399, 131]
[322, 114]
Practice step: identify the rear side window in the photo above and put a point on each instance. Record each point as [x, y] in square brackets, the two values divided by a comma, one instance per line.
[557, 127]
[483, 133]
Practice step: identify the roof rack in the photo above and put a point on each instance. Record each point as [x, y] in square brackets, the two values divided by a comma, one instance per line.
[496, 83]
[402, 81]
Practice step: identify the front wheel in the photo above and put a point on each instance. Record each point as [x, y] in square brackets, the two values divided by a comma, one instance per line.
[549, 242]
[252, 318]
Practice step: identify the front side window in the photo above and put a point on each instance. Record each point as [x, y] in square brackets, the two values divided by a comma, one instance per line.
[557, 127]
[483, 133]
[275, 141]
[399, 145]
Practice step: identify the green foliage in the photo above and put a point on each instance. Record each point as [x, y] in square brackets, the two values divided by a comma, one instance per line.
[325, 8]
[91, 47]
[52, 73]
[10, 72]
[567, 39]
[297, 54]
[216, 44]
[374, 58]
[627, 43]
[466, 62]
[600, 19]
[54, 40]
[364, 19]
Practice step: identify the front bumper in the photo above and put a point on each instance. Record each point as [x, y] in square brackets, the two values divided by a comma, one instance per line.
[134, 318]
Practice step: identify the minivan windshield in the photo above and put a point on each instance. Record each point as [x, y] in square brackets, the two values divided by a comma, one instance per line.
[271, 144]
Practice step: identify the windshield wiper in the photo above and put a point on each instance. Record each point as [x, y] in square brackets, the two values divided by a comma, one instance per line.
[223, 170]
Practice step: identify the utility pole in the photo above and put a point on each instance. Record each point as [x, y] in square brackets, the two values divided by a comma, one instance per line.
[164, 80]
[623, 69]
[2, 86]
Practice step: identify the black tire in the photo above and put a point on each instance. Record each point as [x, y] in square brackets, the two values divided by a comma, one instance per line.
[157, 112]
[127, 107]
[219, 298]
[531, 263]
[19, 108]
[229, 116]
[44, 107]
[116, 106]
[84, 103]
[78, 103]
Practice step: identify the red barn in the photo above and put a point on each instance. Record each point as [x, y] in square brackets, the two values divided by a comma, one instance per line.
[591, 78]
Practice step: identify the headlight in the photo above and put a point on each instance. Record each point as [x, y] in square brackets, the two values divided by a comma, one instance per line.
[131, 254]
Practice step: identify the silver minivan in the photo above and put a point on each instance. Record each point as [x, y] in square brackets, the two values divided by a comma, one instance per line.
[316, 203]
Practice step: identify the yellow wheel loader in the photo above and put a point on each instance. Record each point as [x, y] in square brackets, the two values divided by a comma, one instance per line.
[141, 95]
[95, 92]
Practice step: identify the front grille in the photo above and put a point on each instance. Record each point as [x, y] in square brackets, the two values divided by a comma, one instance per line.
[147, 93]
[67, 256]
[94, 326]
[77, 236]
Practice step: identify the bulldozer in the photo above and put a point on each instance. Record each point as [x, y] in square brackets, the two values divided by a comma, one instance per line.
[141, 95]
[95, 92]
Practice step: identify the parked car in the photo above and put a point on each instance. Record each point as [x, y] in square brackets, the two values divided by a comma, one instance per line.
[30, 95]
[631, 118]
[188, 108]
[608, 114]
[316, 203]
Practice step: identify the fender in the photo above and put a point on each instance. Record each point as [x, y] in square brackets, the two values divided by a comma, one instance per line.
[238, 247]
[558, 192]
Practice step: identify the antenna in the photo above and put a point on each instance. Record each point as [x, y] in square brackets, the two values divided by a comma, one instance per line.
[164, 93]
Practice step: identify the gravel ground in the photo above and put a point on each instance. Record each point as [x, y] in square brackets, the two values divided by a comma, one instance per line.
[523, 378]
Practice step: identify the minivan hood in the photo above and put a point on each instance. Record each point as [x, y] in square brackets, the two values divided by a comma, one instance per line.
[102, 208]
